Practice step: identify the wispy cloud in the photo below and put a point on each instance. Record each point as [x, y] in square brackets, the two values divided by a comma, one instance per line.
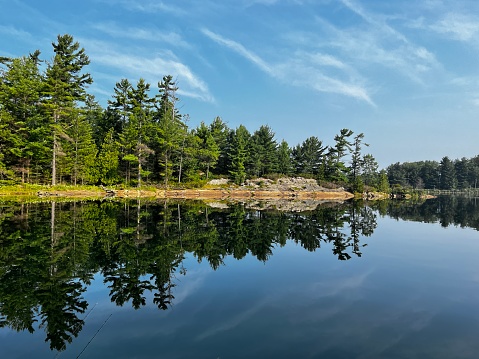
[148, 6]
[240, 49]
[458, 27]
[376, 21]
[302, 70]
[274, 2]
[376, 43]
[155, 35]
[152, 69]
[234, 320]
[15, 32]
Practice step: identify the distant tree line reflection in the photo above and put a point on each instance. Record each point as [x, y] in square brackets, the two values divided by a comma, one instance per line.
[448, 211]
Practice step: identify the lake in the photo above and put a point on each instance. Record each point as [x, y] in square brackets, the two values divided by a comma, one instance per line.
[142, 279]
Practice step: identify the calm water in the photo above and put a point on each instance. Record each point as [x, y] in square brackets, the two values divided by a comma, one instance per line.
[186, 280]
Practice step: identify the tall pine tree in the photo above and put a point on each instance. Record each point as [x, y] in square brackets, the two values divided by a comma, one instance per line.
[65, 87]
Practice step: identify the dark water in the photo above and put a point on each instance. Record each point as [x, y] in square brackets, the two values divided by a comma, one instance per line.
[187, 280]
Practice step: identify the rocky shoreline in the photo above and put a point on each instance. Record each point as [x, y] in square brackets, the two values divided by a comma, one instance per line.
[295, 188]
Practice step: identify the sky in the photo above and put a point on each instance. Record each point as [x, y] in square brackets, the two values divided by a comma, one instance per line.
[404, 73]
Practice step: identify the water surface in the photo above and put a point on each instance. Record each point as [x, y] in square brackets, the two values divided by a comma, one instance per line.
[180, 280]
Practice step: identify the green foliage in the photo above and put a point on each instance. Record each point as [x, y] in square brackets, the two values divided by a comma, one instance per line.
[447, 174]
[64, 86]
[285, 164]
[107, 165]
[262, 149]
[52, 130]
[383, 185]
[336, 169]
[309, 157]
[238, 154]
[207, 150]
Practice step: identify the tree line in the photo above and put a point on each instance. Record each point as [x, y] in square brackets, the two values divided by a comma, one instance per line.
[446, 175]
[52, 131]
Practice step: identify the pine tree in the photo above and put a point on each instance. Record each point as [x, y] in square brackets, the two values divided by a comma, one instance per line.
[170, 130]
[108, 159]
[447, 173]
[220, 131]
[336, 169]
[369, 170]
[83, 150]
[208, 150]
[238, 154]
[310, 155]
[65, 86]
[285, 165]
[20, 92]
[357, 163]
[262, 149]
[141, 123]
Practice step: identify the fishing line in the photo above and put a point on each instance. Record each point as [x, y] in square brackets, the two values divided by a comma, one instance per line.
[75, 331]
[94, 335]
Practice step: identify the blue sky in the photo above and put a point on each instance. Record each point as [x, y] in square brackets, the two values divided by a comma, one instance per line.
[405, 72]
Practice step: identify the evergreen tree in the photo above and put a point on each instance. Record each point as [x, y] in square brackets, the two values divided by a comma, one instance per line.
[309, 156]
[9, 142]
[383, 185]
[447, 173]
[20, 94]
[474, 171]
[83, 150]
[208, 150]
[396, 174]
[462, 169]
[283, 153]
[369, 170]
[357, 162]
[336, 169]
[262, 157]
[140, 123]
[120, 105]
[238, 154]
[170, 130]
[108, 159]
[219, 131]
[97, 119]
[65, 86]
[429, 173]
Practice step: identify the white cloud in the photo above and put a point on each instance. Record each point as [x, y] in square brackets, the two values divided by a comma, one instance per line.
[135, 33]
[14, 32]
[151, 69]
[458, 26]
[238, 48]
[380, 45]
[303, 69]
[147, 6]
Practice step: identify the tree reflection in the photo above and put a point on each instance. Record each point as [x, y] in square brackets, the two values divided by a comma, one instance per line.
[49, 253]
[446, 210]
[38, 279]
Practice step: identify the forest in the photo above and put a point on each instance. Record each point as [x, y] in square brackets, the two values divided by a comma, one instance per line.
[52, 131]
[447, 174]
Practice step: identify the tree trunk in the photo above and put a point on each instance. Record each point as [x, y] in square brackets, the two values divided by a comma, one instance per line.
[55, 145]
[139, 171]
[166, 169]
[54, 160]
